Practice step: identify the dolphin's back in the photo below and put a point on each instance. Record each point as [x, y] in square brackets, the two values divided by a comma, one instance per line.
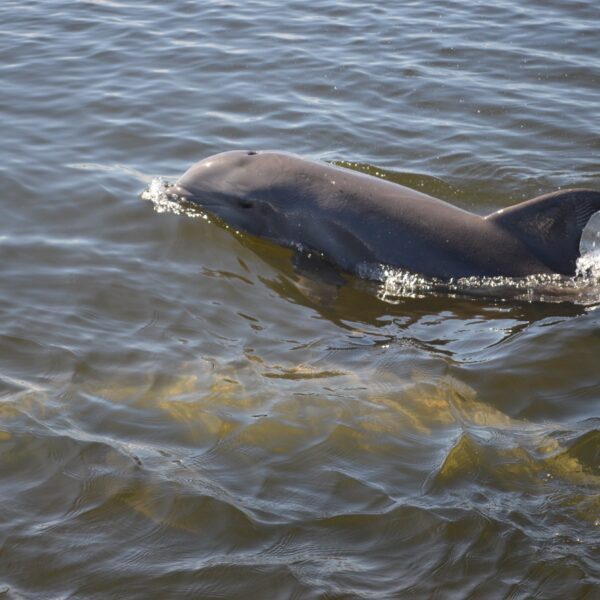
[430, 236]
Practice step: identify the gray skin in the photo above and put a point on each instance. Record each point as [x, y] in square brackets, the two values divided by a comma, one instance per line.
[353, 219]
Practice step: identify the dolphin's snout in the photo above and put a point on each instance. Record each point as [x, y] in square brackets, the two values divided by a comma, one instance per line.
[178, 192]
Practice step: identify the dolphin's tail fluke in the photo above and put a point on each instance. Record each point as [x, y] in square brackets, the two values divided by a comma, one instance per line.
[551, 225]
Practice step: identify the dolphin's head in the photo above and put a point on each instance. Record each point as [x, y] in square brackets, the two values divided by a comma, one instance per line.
[256, 192]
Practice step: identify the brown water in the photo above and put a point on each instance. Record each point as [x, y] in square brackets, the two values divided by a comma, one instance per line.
[183, 416]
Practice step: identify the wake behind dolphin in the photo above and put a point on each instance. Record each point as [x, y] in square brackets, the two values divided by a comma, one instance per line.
[352, 219]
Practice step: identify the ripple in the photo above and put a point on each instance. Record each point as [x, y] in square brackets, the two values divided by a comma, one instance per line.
[182, 416]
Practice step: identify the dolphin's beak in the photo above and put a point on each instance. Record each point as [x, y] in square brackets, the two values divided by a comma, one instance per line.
[178, 192]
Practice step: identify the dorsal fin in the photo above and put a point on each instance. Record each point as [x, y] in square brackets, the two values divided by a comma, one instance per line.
[551, 225]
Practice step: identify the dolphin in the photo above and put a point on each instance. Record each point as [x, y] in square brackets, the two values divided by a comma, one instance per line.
[352, 219]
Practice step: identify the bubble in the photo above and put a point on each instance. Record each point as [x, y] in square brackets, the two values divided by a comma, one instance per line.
[164, 200]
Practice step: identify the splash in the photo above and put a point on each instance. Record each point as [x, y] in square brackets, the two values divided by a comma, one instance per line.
[582, 288]
[165, 201]
[588, 266]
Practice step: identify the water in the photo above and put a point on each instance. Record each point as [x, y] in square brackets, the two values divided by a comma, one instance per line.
[183, 416]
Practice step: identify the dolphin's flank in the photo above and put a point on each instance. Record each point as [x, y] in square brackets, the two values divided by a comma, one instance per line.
[351, 218]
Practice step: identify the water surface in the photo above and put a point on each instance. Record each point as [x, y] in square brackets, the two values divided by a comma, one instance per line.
[182, 416]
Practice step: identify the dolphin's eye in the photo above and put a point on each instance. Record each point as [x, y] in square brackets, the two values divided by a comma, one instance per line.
[245, 203]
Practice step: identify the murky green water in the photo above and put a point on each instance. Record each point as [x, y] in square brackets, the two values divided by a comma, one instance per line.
[183, 416]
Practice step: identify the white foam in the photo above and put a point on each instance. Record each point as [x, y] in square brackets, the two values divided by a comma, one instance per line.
[582, 288]
[588, 266]
[158, 192]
